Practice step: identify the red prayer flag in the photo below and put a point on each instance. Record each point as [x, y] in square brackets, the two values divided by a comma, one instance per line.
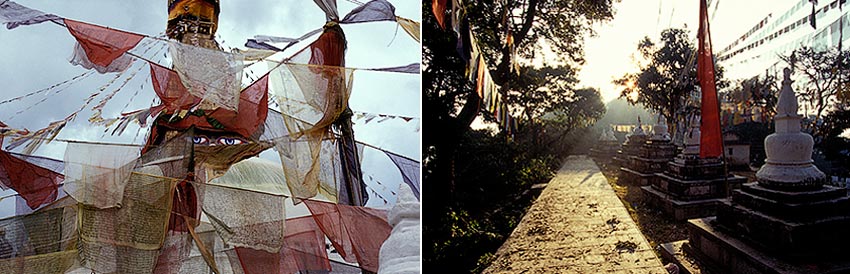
[710, 139]
[253, 104]
[439, 9]
[353, 230]
[303, 250]
[37, 185]
[184, 203]
[102, 45]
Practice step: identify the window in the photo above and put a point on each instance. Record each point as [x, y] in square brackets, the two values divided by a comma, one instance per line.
[730, 151]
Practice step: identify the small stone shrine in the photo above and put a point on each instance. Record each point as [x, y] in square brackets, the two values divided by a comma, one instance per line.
[691, 187]
[787, 222]
[652, 157]
[631, 147]
[606, 147]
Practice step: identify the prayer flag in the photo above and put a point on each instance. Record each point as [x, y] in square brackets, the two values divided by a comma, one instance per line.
[710, 140]
[15, 15]
[37, 185]
[102, 45]
[439, 9]
[356, 232]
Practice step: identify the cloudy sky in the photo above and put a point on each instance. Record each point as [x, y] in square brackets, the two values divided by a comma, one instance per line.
[35, 57]
[609, 55]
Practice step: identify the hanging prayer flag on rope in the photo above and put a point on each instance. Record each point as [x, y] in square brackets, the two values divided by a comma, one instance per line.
[355, 232]
[372, 11]
[245, 218]
[303, 250]
[329, 7]
[15, 15]
[311, 98]
[41, 242]
[711, 139]
[411, 27]
[215, 76]
[96, 174]
[102, 45]
[409, 171]
[80, 58]
[37, 185]
[812, 20]
[127, 239]
[253, 106]
[412, 68]
[438, 7]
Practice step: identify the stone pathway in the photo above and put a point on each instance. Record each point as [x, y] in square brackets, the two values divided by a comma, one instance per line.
[577, 225]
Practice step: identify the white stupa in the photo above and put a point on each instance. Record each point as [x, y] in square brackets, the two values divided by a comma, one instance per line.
[608, 135]
[692, 137]
[789, 151]
[400, 252]
[660, 132]
[638, 131]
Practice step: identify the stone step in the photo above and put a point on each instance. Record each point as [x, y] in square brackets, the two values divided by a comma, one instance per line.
[690, 171]
[826, 193]
[817, 236]
[718, 250]
[792, 210]
[697, 188]
[678, 209]
[676, 253]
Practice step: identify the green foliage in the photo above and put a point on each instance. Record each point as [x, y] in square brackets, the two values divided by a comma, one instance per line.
[478, 181]
[474, 220]
[540, 90]
[835, 147]
[667, 76]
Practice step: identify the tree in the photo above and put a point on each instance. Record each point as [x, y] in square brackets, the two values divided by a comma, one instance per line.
[540, 90]
[667, 74]
[759, 91]
[449, 98]
[475, 177]
[825, 79]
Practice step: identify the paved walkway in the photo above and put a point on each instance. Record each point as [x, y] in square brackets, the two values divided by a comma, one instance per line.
[577, 225]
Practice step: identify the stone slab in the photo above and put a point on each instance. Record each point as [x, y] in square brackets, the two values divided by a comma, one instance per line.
[632, 177]
[719, 252]
[576, 225]
[790, 238]
[680, 210]
[675, 252]
[697, 189]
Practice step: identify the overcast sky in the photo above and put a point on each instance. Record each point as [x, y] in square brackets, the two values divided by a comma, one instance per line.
[36, 57]
[609, 55]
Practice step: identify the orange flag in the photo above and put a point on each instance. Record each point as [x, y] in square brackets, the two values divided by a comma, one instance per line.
[710, 139]
[439, 9]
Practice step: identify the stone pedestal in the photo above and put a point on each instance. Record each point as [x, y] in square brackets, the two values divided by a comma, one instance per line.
[691, 187]
[787, 222]
[606, 148]
[630, 148]
[652, 158]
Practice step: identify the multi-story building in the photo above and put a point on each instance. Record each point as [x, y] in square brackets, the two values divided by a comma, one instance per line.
[757, 51]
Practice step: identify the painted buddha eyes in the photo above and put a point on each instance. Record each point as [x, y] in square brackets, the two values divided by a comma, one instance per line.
[230, 141]
[226, 141]
[200, 140]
